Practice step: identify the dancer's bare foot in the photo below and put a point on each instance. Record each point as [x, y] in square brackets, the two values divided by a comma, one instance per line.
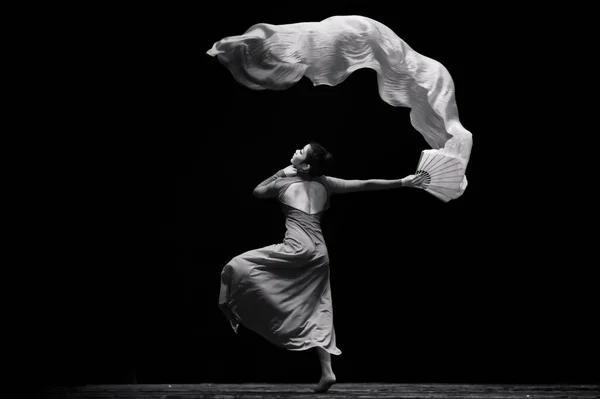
[326, 382]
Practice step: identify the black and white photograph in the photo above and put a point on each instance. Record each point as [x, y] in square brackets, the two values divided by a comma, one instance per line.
[304, 200]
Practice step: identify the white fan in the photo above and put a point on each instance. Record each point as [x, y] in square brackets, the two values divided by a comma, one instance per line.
[444, 174]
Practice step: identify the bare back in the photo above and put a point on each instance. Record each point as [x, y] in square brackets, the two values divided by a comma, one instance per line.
[308, 196]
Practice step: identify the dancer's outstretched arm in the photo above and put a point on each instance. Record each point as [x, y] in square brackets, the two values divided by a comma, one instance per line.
[341, 186]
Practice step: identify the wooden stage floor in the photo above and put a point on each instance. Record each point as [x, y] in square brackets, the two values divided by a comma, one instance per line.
[357, 390]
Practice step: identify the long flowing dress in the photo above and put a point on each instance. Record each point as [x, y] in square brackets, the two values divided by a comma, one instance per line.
[282, 291]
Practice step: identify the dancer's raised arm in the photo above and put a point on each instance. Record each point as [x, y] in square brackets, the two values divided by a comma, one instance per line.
[340, 186]
[266, 189]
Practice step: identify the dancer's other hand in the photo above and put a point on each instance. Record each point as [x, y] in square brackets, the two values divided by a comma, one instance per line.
[290, 171]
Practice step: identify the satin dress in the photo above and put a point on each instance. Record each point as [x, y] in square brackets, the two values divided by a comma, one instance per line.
[282, 291]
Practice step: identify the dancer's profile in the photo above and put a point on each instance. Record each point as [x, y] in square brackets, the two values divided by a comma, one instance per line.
[282, 291]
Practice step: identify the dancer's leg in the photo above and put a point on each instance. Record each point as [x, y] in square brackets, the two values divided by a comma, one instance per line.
[327, 376]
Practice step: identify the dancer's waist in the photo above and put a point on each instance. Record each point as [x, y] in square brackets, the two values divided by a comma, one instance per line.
[304, 233]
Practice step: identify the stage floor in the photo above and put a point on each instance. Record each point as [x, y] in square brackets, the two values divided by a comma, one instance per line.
[357, 390]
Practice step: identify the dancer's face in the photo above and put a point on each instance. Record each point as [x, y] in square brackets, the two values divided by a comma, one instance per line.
[300, 156]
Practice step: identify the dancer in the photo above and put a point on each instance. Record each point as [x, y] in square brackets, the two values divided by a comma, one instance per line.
[282, 291]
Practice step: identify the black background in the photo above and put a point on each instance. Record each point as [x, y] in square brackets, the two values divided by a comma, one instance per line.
[496, 286]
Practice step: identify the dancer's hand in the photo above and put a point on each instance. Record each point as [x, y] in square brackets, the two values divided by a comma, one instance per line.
[414, 181]
[290, 171]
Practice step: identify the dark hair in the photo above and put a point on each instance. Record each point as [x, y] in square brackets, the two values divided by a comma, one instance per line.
[319, 159]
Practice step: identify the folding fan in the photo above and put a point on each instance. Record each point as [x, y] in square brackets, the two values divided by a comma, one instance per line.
[444, 174]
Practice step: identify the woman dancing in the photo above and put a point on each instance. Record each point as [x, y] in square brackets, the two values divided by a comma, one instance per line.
[282, 291]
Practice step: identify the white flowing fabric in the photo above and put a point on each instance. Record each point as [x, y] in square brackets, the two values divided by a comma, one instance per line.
[275, 57]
